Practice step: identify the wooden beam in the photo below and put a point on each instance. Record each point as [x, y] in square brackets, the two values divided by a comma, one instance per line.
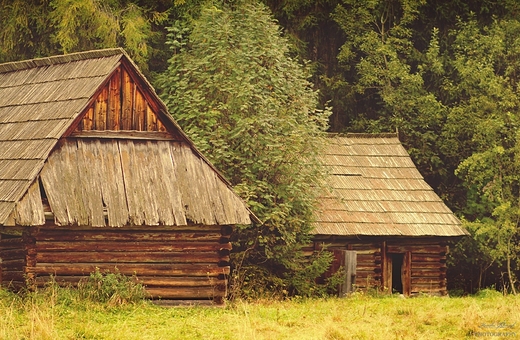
[128, 88]
[114, 234]
[148, 281]
[114, 101]
[185, 292]
[130, 246]
[169, 270]
[130, 257]
[406, 273]
[131, 134]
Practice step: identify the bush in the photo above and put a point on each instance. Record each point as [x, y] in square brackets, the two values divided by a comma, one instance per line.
[488, 293]
[304, 281]
[253, 282]
[115, 289]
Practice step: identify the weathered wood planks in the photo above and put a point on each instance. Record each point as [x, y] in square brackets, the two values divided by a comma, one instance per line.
[121, 105]
[182, 263]
[423, 262]
[136, 182]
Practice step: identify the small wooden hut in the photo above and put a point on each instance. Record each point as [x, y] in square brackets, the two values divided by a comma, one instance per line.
[94, 173]
[384, 223]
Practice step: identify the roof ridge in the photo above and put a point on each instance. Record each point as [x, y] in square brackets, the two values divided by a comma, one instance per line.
[59, 59]
[364, 135]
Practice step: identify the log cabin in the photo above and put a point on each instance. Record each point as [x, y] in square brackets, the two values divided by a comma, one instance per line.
[95, 173]
[385, 225]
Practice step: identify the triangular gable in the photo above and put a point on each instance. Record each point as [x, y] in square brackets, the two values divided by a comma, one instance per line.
[122, 104]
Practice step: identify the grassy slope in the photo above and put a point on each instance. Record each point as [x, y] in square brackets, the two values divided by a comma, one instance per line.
[51, 315]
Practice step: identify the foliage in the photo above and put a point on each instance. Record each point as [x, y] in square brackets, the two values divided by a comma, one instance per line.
[39, 28]
[486, 67]
[253, 282]
[24, 29]
[249, 107]
[390, 73]
[305, 282]
[114, 289]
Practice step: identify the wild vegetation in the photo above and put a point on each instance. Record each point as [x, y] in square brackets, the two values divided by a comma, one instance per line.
[444, 74]
[59, 313]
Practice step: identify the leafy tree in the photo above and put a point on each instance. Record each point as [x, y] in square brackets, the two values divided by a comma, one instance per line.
[24, 29]
[389, 77]
[236, 92]
[38, 28]
[486, 64]
[316, 37]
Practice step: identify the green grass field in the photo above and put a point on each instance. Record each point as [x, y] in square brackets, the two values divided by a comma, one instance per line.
[61, 314]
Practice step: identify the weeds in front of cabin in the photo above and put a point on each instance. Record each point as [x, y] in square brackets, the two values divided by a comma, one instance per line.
[113, 289]
[54, 312]
[40, 313]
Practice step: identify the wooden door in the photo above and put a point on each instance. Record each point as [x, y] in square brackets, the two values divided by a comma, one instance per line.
[348, 260]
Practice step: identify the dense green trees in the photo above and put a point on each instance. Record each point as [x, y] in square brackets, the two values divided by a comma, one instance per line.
[32, 28]
[233, 87]
[443, 73]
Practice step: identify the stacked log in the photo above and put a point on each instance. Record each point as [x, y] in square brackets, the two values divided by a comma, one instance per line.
[172, 263]
[12, 264]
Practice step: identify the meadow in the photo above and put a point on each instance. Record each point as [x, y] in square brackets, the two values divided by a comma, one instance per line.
[62, 314]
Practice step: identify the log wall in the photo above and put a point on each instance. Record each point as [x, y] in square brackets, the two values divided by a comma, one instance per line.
[13, 255]
[368, 268]
[427, 272]
[428, 265]
[189, 263]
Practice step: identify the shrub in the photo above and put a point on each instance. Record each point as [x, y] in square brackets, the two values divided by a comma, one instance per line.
[112, 288]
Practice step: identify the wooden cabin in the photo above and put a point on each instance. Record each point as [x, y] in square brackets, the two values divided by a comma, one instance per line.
[387, 228]
[94, 173]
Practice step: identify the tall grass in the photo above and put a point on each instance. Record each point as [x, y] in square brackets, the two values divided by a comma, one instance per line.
[58, 313]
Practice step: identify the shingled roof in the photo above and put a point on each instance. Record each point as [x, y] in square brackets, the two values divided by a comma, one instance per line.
[43, 101]
[374, 189]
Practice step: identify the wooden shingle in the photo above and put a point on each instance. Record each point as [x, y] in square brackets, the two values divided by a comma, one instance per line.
[376, 190]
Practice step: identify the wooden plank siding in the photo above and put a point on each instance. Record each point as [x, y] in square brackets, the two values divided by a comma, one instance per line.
[425, 266]
[13, 254]
[121, 106]
[172, 263]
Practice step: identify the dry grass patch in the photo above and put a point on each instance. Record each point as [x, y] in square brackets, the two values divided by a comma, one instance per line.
[62, 314]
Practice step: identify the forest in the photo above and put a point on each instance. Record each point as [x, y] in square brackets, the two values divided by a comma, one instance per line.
[256, 83]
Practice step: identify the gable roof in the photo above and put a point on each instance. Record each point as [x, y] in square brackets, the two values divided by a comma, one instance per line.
[43, 101]
[376, 190]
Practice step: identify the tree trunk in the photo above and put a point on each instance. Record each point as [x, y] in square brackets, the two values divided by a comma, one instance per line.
[509, 274]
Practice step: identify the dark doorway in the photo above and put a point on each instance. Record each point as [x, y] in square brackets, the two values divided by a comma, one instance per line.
[397, 280]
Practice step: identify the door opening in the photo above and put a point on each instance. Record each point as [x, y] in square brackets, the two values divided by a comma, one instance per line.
[397, 277]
